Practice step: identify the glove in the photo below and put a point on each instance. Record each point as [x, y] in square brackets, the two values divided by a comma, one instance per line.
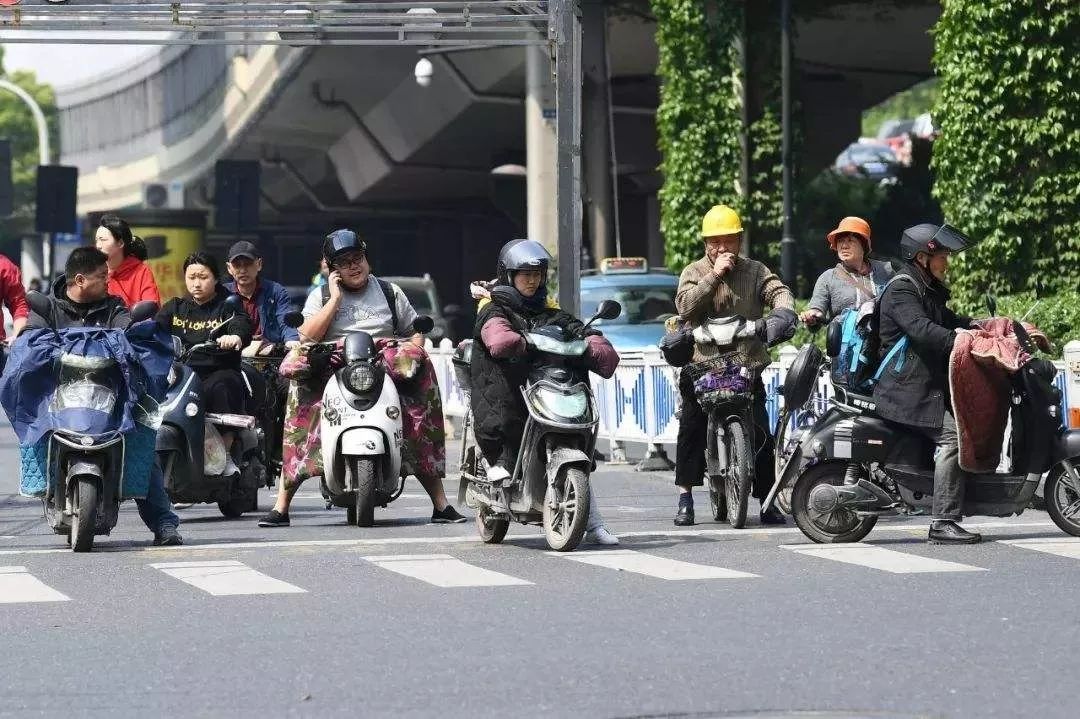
[779, 326]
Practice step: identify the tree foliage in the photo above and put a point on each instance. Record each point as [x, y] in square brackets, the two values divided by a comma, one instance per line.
[698, 120]
[1006, 163]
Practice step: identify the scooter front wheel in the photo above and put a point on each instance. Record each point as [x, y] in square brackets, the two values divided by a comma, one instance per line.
[818, 515]
[492, 529]
[84, 518]
[566, 509]
[1062, 496]
[362, 512]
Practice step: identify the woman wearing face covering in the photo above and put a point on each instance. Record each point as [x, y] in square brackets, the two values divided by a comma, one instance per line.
[854, 280]
[500, 362]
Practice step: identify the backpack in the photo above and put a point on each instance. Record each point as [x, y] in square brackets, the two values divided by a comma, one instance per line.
[853, 344]
[388, 293]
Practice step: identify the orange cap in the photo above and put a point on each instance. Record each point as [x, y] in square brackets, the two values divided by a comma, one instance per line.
[856, 225]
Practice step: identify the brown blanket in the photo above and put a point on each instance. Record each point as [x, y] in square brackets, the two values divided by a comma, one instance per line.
[979, 367]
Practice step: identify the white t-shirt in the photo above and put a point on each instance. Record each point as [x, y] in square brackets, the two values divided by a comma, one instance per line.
[365, 311]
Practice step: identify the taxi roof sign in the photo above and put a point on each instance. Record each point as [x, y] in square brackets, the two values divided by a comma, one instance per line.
[623, 265]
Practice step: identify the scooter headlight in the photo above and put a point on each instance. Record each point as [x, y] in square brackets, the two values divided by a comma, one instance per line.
[359, 377]
[558, 405]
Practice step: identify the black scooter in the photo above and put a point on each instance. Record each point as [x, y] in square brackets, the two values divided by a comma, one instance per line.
[851, 466]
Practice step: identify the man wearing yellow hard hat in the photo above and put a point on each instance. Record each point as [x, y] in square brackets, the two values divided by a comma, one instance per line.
[722, 284]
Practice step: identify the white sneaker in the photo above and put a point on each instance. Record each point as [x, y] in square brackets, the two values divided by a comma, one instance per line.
[230, 467]
[497, 474]
[601, 535]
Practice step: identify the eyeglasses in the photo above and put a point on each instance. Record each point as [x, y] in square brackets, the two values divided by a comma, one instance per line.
[351, 261]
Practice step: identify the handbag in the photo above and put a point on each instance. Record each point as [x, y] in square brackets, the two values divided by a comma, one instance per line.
[677, 344]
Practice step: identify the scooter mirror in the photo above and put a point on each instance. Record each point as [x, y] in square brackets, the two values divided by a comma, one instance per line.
[177, 346]
[608, 310]
[294, 319]
[1022, 335]
[234, 303]
[39, 303]
[423, 324]
[143, 310]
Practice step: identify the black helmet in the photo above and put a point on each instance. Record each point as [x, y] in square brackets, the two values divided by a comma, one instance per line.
[932, 238]
[338, 242]
[521, 255]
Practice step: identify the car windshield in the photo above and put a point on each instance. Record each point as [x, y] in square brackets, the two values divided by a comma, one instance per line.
[864, 153]
[419, 298]
[641, 304]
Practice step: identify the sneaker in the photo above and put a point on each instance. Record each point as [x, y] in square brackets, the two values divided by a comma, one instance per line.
[601, 535]
[772, 516]
[274, 519]
[167, 536]
[449, 515]
[497, 474]
[230, 467]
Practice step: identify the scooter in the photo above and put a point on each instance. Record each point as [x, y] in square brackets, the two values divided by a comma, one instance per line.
[85, 470]
[190, 450]
[360, 429]
[549, 483]
[851, 466]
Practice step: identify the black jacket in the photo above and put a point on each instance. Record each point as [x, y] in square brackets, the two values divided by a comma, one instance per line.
[193, 323]
[917, 394]
[107, 312]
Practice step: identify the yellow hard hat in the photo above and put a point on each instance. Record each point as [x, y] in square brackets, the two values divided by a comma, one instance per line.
[720, 220]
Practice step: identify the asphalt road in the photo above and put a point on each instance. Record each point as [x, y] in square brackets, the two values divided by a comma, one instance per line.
[409, 619]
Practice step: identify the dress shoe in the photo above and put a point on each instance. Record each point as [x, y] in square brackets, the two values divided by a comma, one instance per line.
[771, 516]
[946, 532]
[685, 517]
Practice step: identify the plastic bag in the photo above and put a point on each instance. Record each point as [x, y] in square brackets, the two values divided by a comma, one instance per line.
[213, 452]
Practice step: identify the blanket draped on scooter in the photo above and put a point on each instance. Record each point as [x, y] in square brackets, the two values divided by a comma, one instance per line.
[28, 391]
[423, 449]
[982, 360]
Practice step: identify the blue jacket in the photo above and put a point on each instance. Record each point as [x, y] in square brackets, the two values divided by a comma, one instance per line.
[273, 302]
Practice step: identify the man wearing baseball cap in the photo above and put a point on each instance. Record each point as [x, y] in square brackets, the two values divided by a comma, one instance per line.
[265, 301]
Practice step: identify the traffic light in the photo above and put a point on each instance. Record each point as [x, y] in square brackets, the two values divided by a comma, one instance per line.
[7, 188]
[57, 186]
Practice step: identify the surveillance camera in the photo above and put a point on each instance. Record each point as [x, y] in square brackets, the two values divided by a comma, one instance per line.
[423, 72]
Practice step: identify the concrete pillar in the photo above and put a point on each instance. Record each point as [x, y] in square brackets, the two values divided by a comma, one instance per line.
[33, 259]
[596, 135]
[540, 148]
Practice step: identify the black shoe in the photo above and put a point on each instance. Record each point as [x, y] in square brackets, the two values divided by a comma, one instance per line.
[274, 519]
[167, 536]
[448, 515]
[771, 516]
[685, 517]
[946, 532]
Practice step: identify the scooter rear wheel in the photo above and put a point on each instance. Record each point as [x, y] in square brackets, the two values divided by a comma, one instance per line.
[826, 525]
[84, 519]
[566, 509]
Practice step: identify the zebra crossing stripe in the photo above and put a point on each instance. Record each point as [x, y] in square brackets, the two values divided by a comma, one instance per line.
[442, 570]
[628, 560]
[1069, 548]
[226, 578]
[887, 560]
[18, 586]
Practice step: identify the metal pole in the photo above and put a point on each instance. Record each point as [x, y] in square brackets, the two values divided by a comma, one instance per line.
[30, 264]
[540, 155]
[596, 139]
[787, 243]
[568, 132]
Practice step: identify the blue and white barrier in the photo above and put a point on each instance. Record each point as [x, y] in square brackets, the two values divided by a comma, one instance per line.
[639, 402]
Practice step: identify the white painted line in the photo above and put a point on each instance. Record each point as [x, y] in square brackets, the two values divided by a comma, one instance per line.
[748, 533]
[627, 560]
[442, 570]
[887, 560]
[18, 586]
[226, 578]
[1061, 547]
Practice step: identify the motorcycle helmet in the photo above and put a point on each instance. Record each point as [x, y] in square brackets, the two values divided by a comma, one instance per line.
[522, 255]
[340, 242]
[930, 238]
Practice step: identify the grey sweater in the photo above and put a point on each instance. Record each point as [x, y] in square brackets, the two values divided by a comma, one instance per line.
[838, 289]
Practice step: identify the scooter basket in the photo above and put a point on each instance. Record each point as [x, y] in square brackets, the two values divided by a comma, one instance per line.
[721, 379]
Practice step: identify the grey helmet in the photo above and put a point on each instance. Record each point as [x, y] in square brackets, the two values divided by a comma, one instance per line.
[521, 255]
[930, 238]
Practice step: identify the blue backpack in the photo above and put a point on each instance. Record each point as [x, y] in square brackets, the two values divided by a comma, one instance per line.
[853, 344]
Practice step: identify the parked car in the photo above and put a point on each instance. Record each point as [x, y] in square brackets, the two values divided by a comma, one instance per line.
[872, 161]
[647, 297]
[895, 134]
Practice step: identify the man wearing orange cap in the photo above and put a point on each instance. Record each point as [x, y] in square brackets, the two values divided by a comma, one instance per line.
[854, 280]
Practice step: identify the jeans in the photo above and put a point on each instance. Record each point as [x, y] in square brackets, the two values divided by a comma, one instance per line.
[156, 509]
[948, 477]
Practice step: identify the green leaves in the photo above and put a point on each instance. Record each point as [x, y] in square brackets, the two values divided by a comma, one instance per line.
[1007, 169]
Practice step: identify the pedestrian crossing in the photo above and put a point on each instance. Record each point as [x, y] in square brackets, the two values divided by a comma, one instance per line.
[233, 578]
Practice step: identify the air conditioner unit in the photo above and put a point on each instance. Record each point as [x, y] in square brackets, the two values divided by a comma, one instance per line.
[160, 196]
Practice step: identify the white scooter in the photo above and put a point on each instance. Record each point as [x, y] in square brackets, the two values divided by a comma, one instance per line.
[360, 428]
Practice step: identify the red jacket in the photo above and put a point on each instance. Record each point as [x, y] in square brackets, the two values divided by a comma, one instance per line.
[12, 291]
[133, 282]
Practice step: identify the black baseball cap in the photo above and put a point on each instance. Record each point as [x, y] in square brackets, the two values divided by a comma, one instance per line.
[243, 248]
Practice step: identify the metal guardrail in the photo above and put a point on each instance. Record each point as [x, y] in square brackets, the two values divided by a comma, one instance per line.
[638, 403]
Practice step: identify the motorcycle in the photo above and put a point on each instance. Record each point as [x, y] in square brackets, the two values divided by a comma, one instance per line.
[361, 428]
[85, 471]
[549, 482]
[189, 447]
[723, 387]
[851, 466]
